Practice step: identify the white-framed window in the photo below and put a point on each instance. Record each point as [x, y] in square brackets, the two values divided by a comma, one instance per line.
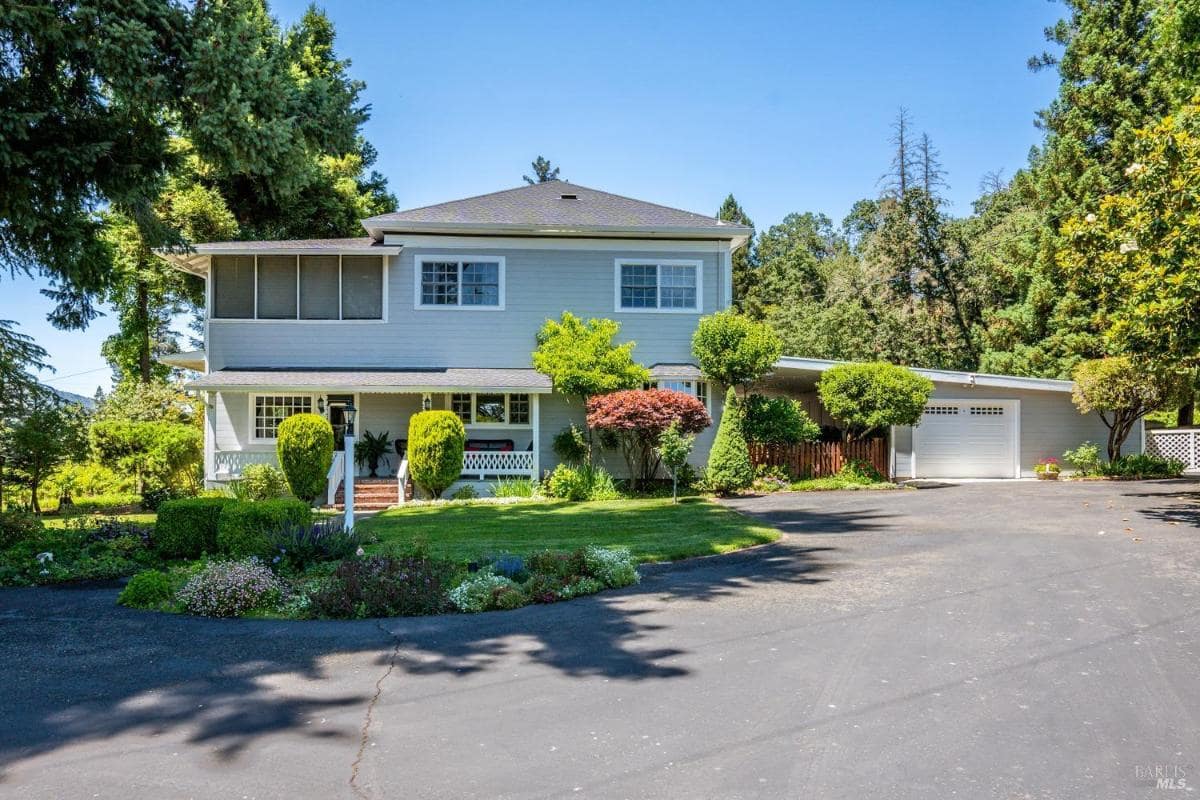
[491, 408]
[658, 285]
[473, 283]
[697, 389]
[298, 288]
[268, 410]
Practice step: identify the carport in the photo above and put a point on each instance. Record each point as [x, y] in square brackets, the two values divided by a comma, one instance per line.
[975, 425]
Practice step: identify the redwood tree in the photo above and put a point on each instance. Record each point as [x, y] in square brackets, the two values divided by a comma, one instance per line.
[638, 417]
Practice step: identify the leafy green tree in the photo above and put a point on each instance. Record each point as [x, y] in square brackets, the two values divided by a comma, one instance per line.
[734, 349]
[19, 354]
[744, 261]
[1121, 390]
[543, 172]
[159, 454]
[674, 447]
[778, 420]
[1137, 252]
[729, 468]
[39, 441]
[869, 398]
[133, 401]
[581, 359]
[789, 261]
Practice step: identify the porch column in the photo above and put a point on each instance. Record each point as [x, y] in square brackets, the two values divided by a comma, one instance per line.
[210, 435]
[534, 417]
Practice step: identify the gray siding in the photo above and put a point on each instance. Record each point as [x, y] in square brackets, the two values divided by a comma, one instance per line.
[1050, 425]
[539, 284]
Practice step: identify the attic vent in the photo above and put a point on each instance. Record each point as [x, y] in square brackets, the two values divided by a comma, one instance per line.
[568, 197]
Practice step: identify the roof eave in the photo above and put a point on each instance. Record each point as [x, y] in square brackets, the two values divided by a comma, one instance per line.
[943, 375]
[200, 386]
[377, 228]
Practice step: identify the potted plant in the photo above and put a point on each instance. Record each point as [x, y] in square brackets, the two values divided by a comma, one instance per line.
[1047, 469]
[371, 449]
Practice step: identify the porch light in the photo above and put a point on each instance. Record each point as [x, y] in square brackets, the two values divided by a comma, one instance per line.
[426, 402]
[321, 404]
[351, 412]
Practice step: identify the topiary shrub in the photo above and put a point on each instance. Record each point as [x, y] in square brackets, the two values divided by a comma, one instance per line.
[264, 482]
[871, 397]
[729, 468]
[305, 451]
[149, 589]
[435, 450]
[248, 529]
[188, 527]
[778, 420]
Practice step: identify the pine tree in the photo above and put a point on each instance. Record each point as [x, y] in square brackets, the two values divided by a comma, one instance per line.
[543, 172]
[744, 261]
[729, 467]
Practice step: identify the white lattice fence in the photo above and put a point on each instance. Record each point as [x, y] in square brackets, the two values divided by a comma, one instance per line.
[228, 464]
[1180, 443]
[497, 462]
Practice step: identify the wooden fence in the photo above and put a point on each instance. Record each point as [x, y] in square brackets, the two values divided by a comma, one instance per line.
[819, 459]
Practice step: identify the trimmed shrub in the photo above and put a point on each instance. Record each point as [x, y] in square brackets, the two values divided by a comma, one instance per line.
[482, 591]
[246, 529]
[149, 589]
[734, 349]
[186, 528]
[581, 483]
[729, 468]
[1085, 459]
[435, 450]
[230, 589]
[264, 482]
[614, 567]
[638, 417]
[305, 451]
[17, 525]
[870, 397]
[299, 546]
[384, 586]
[778, 420]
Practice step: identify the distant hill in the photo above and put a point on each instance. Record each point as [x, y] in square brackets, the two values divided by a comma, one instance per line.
[70, 397]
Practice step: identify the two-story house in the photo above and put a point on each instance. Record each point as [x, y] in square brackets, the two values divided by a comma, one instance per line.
[438, 307]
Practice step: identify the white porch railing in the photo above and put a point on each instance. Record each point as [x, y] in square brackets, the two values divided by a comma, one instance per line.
[228, 464]
[335, 476]
[498, 462]
[1180, 443]
[402, 480]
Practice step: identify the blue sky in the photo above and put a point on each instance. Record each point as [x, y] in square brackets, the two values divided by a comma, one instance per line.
[787, 105]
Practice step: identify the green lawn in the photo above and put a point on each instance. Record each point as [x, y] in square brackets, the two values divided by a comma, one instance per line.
[54, 521]
[654, 529]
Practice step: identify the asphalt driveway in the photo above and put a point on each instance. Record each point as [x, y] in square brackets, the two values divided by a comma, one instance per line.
[980, 641]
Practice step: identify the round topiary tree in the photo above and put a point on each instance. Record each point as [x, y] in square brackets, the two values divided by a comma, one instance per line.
[733, 349]
[305, 450]
[869, 398]
[435, 450]
[729, 468]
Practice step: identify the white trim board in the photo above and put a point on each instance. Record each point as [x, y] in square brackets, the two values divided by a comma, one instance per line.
[965, 379]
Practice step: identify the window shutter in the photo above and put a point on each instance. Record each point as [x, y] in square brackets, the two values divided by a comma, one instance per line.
[233, 287]
[318, 287]
[362, 287]
[276, 287]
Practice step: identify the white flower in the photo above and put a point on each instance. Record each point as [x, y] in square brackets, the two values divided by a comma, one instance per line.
[1134, 169]
[360, 552]
[42, 558]
[1090, 217]
[1129, 247]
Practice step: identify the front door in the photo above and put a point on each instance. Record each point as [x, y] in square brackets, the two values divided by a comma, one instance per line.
[336, 403]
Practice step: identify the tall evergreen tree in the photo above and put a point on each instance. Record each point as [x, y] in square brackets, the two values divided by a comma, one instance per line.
[543, 171]
[744, 261]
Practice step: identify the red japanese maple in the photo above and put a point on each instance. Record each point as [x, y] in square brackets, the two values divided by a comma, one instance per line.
[638, 417]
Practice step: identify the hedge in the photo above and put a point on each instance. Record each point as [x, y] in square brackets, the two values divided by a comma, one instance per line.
[186, 528]
[246, 528]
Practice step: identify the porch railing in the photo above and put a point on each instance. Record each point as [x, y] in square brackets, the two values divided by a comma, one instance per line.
[1180, 443]
[335, 476]
[228, 464]
[497, 462]
[820, 459]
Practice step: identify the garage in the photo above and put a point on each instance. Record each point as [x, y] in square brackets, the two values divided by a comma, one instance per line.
[967, 439]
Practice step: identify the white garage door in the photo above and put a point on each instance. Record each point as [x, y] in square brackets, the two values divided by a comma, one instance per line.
[967, 439]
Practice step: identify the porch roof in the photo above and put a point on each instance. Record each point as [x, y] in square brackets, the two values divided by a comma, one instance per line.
[375, 380]
[803, 373]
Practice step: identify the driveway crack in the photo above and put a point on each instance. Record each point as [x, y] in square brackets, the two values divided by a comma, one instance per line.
[368, 719]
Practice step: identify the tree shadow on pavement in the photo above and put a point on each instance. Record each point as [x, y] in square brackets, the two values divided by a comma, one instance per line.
[80, 668]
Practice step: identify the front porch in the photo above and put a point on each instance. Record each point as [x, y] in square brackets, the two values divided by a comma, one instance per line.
[502, 423]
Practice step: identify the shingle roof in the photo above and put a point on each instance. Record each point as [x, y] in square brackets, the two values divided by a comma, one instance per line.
[373, 380]
[553, 205]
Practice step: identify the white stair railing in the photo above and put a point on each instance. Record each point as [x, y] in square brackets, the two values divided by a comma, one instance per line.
[335, 476]
[402, 480]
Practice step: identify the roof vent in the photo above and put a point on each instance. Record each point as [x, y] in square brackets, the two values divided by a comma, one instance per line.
[568, 197]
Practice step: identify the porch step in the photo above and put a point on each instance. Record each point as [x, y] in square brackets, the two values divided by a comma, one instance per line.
[370, 494]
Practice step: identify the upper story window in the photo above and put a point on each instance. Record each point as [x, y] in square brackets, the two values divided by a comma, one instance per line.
[278, 287]
[658, 285]
[450, 282]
